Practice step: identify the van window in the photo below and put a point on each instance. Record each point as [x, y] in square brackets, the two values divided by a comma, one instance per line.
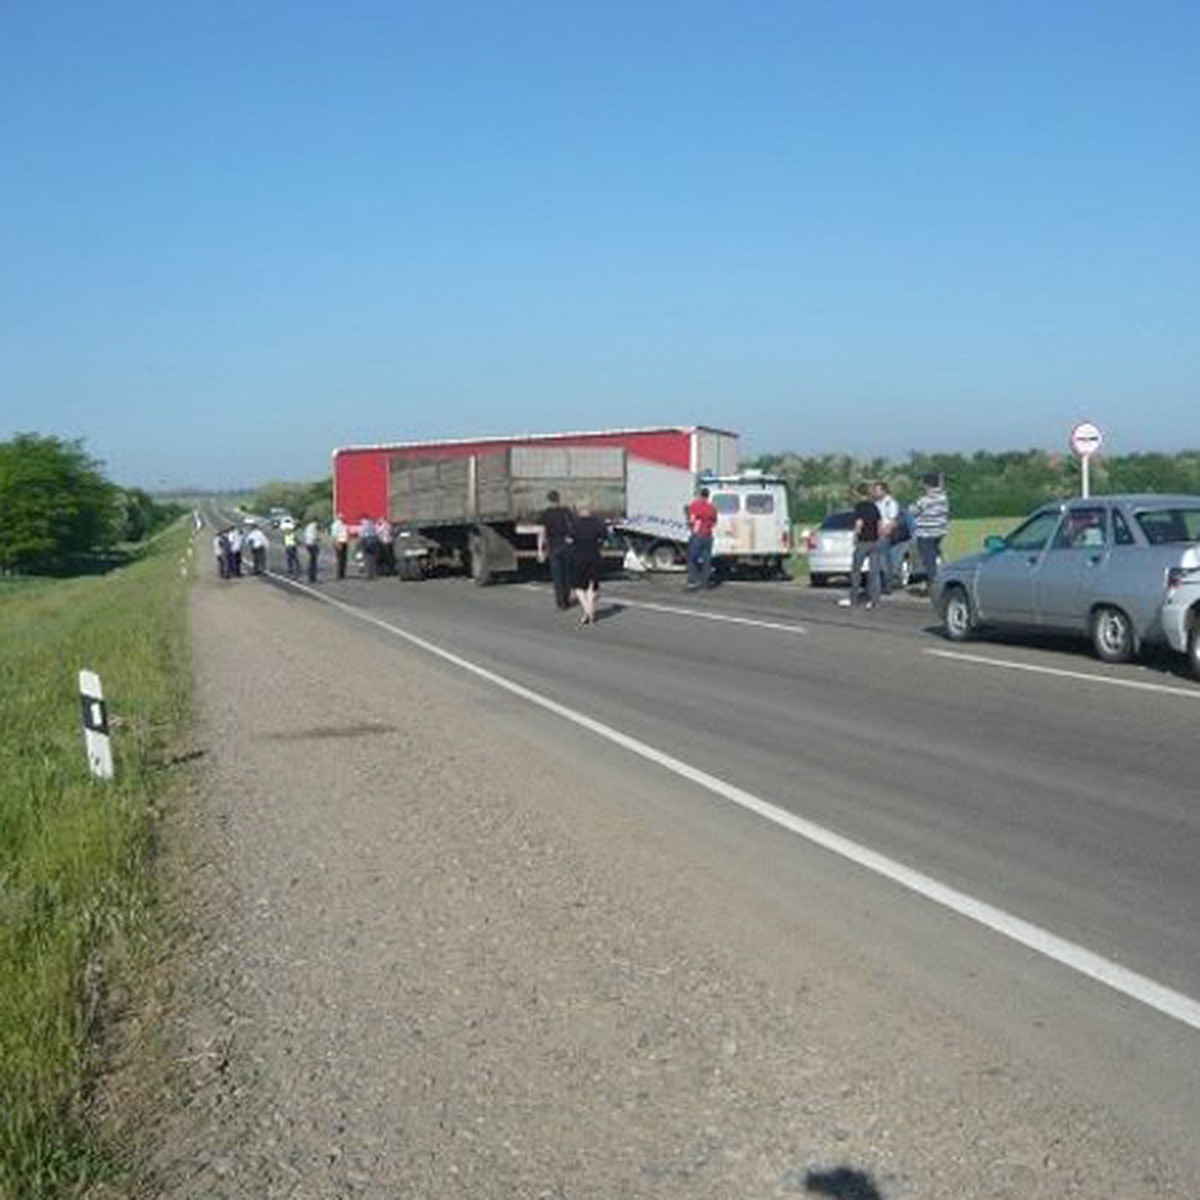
[760, 502]
[726, 502]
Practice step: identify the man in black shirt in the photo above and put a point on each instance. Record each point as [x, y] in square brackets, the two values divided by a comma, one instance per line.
[867, 550]
[554, 543]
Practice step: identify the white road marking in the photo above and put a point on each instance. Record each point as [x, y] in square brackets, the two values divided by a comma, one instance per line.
[1069, 954]
[1008, 664]
[697, 612]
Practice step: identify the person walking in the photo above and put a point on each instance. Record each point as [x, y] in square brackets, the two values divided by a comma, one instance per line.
[339, 532]
[554, 546]
[866, 552]
[221, 552]
[290, 552]
[889, 523]
[701, 520]
[587, 562]
[312, 544]
[234, 535]
[931, 520]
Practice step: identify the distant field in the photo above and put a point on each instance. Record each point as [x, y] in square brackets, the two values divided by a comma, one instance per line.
[966, 536]
[75, 867]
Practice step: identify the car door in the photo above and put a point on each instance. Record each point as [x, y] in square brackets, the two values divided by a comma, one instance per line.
[1072, 569]
[1006, 585]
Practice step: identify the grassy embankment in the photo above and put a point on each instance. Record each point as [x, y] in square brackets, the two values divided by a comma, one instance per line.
[76, 890]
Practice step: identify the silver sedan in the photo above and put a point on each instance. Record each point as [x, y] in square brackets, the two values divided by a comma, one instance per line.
[1100, 566]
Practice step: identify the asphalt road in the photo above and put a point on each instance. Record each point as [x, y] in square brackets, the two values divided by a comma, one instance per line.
[1067, 800]
[1050, 792]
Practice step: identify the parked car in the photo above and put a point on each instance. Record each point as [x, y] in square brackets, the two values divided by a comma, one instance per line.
[1181, 609]
[1101, 566]
[831, 549]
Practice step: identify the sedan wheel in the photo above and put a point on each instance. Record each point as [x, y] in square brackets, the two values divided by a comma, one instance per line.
[1112, 636]
[1193, 648]
[958, 621]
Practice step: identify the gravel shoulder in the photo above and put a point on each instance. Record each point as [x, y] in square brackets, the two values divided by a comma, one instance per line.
[433, 955]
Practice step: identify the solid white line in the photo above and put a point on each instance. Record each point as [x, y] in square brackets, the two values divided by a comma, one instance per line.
[1129, 983]
[1007, 664]
[696, 612]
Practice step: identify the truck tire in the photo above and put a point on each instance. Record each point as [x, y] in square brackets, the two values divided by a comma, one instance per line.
[477, 552]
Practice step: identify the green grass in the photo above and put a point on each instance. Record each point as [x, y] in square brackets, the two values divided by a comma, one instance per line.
[966, 536]
[76, 897]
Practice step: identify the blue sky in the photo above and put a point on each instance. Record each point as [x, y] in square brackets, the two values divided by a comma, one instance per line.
[236, 235]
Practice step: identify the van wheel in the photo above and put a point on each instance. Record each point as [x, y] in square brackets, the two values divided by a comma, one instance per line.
[663, 556]
[1193, 647]
[958, 618]
[1112, 636]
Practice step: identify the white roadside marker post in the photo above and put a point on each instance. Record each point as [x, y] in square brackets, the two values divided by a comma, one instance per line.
[95, 725]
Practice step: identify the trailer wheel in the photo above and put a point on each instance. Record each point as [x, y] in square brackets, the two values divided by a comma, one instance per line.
[478, 554]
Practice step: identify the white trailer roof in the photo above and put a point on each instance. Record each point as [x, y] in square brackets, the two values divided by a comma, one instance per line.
[533, 437]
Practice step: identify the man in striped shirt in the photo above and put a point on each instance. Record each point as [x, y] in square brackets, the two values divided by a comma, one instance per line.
[931, 519]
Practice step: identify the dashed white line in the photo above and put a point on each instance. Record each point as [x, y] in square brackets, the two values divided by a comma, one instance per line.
[1035, 669]
[1120, 979]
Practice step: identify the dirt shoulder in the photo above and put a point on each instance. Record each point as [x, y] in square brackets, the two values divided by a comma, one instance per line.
[430, 957]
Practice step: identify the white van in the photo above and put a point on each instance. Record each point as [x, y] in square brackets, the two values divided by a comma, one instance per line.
[754, 525]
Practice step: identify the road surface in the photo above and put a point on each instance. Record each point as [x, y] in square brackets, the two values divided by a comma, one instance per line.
[736, 894]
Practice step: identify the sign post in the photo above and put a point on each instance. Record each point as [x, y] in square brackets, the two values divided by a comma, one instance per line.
[1086, 439]
[95, 725]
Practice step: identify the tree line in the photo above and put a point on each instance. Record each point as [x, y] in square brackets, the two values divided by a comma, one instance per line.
[982, 484]
[60, 514]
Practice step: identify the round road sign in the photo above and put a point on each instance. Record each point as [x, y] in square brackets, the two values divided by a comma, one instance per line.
[1086, 439]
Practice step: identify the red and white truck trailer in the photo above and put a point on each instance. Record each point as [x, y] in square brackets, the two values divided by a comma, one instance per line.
[475, 503]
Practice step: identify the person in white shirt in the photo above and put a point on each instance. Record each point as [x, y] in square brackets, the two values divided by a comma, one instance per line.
[339, 532]
[889, 520]
[312, 543]
[257, 541]
[387, 549]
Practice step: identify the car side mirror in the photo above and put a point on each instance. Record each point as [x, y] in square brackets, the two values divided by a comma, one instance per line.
[994, 543]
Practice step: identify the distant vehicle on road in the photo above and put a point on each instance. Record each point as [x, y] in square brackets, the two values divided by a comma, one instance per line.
[278, 516]
[1103, 567]
[831, 550]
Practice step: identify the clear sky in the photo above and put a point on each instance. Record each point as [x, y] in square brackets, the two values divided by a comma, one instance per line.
[236, 235]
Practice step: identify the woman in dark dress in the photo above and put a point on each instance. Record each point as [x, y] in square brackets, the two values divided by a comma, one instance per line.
[586, 562]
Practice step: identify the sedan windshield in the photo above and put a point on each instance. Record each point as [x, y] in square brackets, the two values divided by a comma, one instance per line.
[1164, 526]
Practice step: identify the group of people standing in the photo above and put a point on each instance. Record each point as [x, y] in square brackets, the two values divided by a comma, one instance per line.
[376, 544]
[230, 546]
[879, 524]
[570, 540]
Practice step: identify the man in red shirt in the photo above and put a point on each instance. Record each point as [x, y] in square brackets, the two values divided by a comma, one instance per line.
[701, 519]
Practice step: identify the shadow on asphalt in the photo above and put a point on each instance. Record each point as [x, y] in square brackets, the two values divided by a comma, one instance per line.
[842, 1183]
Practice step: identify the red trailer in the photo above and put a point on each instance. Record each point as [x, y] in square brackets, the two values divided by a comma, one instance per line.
[474, 503]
